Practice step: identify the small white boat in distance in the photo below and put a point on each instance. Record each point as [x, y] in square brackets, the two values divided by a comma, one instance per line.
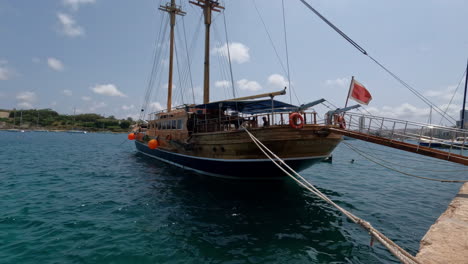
[77, 131]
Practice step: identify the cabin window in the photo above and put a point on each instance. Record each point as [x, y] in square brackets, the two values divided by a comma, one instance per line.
[179, 124]
[173, 124]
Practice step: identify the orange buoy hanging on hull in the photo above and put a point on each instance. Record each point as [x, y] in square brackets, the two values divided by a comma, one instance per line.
[131, 136]
[152, 144]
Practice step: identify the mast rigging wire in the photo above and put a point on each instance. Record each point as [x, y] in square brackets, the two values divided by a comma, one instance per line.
[156, 58]
[188, 60]
[451, 99]
[274, 48]
[363, 51]
[229, 57]
[287, 53]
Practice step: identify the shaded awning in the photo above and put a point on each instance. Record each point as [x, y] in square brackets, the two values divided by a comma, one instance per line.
[251, 107]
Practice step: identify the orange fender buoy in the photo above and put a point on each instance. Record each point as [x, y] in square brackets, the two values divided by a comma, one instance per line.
[153, 144]
[131, 136]
[293, 120]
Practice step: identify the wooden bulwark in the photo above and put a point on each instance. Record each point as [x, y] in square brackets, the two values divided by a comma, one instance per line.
[435, 153]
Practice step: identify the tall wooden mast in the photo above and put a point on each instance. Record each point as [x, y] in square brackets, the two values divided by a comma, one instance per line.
[208, 6]
[173, 10]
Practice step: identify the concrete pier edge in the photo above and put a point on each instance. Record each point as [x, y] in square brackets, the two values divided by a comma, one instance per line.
[446, 241]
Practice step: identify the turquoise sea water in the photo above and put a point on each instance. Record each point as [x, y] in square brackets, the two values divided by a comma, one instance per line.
[91, 198]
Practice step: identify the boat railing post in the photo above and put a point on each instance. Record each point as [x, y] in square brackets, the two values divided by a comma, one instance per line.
[315, 117]
[219, 116]
[350, 120]
[282, 119]
[419, 139]
[272, 111]
[451, 143]
[369, 127]
[305, 118]
[393, 131]
[431, 133]
[381, 125]
[463, 144]
[404, 131]
[206, 121]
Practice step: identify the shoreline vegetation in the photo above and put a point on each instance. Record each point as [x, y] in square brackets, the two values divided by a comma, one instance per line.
[50, 120]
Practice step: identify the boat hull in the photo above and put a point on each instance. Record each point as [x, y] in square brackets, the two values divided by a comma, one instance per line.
[249, 169]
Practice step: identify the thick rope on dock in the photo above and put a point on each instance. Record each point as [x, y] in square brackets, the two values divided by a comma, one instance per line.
[399, 171]
[396, 250]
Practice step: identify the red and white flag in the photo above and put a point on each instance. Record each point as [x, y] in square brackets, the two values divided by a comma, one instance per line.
[359, 93]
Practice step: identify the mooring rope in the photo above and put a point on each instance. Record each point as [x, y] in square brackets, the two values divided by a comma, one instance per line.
[396, 250]
[399, 171]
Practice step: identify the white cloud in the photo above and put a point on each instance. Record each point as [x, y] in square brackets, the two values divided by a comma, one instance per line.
[53, 103]
[75, 4]
[446, 93]
[97, 105]
[239, 52]
[67, 92]
[5, 72]
[277, 81]
[26, 99]
[222, 84]
[26, 96]
[248, 85]
[340, 82]
[405, 111]
[155, 106]
[86, 98]
[127, 107]
[69, 26]
[25, 105]
[107, 89]
[55, 64]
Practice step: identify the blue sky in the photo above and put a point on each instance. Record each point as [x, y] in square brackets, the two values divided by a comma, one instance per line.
[96, 55]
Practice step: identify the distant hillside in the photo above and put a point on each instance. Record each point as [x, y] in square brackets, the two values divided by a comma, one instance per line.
[50, 119]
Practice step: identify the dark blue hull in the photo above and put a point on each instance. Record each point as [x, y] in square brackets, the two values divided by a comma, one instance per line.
[227, 168]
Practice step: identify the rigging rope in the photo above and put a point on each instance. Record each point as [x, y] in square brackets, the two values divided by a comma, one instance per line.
[188, 60]
[399, 171]
[156, 60]
[287, 53]
[363, 51]
[396, 250]
[229, 57]
[451, 99]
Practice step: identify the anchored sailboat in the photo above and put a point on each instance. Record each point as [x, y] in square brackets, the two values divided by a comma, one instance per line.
[209, 138]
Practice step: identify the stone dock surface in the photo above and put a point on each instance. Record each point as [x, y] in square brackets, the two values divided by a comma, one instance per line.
[447, 239]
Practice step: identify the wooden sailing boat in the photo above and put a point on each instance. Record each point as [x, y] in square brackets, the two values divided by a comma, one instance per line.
[210, 138]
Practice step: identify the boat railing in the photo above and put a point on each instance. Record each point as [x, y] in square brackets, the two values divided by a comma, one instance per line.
[204, 124]
[429, 135]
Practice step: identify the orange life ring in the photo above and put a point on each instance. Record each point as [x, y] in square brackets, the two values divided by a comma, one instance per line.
[293, 118]
[342, 122]
[168, 137]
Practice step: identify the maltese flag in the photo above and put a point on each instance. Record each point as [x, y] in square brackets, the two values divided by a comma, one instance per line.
[359, 93]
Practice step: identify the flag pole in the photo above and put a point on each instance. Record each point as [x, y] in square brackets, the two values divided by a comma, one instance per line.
[349, 91]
